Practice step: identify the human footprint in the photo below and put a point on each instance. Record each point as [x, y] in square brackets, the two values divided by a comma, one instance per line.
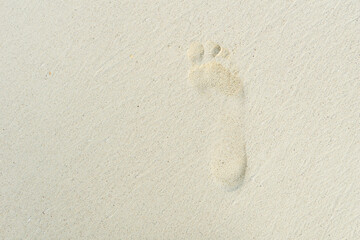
[227, 151]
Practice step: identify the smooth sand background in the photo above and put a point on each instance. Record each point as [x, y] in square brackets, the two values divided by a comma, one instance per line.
[102, 138]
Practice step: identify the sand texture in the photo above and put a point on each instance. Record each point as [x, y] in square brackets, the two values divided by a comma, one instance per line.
[180, 119]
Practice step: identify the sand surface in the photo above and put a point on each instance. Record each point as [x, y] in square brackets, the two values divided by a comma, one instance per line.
[103, 137]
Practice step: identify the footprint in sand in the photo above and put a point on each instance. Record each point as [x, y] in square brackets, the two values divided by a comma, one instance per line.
[208, 73]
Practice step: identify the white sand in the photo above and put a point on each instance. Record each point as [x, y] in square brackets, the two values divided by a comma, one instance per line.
[102, 137]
